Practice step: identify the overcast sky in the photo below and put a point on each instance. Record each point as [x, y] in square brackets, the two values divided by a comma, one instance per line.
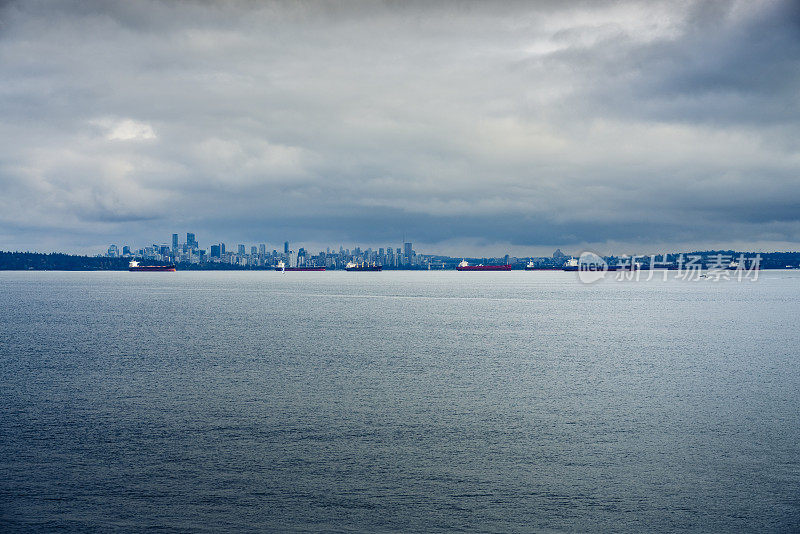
[470, 128]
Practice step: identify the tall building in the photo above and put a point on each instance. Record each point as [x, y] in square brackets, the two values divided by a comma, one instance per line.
[253, 250]
[215, 251]
[113, 251]
[126, 250]
[174, 242]
[222, 249]
[408, 254]
[241, 250]
[285, 247]
[190, 241]
[262, 249]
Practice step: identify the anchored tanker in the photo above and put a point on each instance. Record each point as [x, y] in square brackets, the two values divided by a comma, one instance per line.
[282, 267]
[533, 267]
[363, 267]
[464, 266]
[134, 267]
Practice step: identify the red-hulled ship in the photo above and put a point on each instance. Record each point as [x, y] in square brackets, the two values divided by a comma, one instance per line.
[464, 266]
[134, 267]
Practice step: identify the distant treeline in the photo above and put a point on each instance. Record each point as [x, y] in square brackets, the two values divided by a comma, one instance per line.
[32, 261]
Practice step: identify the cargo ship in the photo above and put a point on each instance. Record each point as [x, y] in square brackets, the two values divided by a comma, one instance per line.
[532, 267]
[363, 267]
[464, 266]
[134, 267]
[283, 268]
[573, 264]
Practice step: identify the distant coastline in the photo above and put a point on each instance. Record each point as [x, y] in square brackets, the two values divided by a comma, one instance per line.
[55, 261]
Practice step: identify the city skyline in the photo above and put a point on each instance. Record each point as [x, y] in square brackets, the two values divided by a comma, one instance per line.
[259, 255]
[190, 251]
[262, 248]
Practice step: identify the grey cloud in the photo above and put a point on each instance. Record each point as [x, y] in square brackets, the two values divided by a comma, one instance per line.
[723, 70]
[505, 123]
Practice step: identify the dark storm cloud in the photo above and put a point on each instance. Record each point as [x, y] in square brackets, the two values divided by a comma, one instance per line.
[495, 126]
[721, 72]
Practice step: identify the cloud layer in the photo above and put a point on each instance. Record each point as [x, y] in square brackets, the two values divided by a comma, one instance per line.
[487, 126]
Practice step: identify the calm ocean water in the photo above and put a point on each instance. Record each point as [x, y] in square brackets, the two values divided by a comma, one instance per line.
[397, 401]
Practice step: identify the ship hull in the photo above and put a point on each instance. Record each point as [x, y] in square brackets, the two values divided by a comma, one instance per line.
[368, 268]
[484, 268]
[612, 268]
[152, 269]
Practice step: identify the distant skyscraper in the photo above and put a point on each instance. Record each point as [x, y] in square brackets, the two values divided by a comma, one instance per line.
[241, 250]
[222, 249]
[190, 241]
[253, 250]
[174, 242]
[262, 249]
[408, 254]
[285, 247]
[126, 250]
[113, 251]
[215, 251]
